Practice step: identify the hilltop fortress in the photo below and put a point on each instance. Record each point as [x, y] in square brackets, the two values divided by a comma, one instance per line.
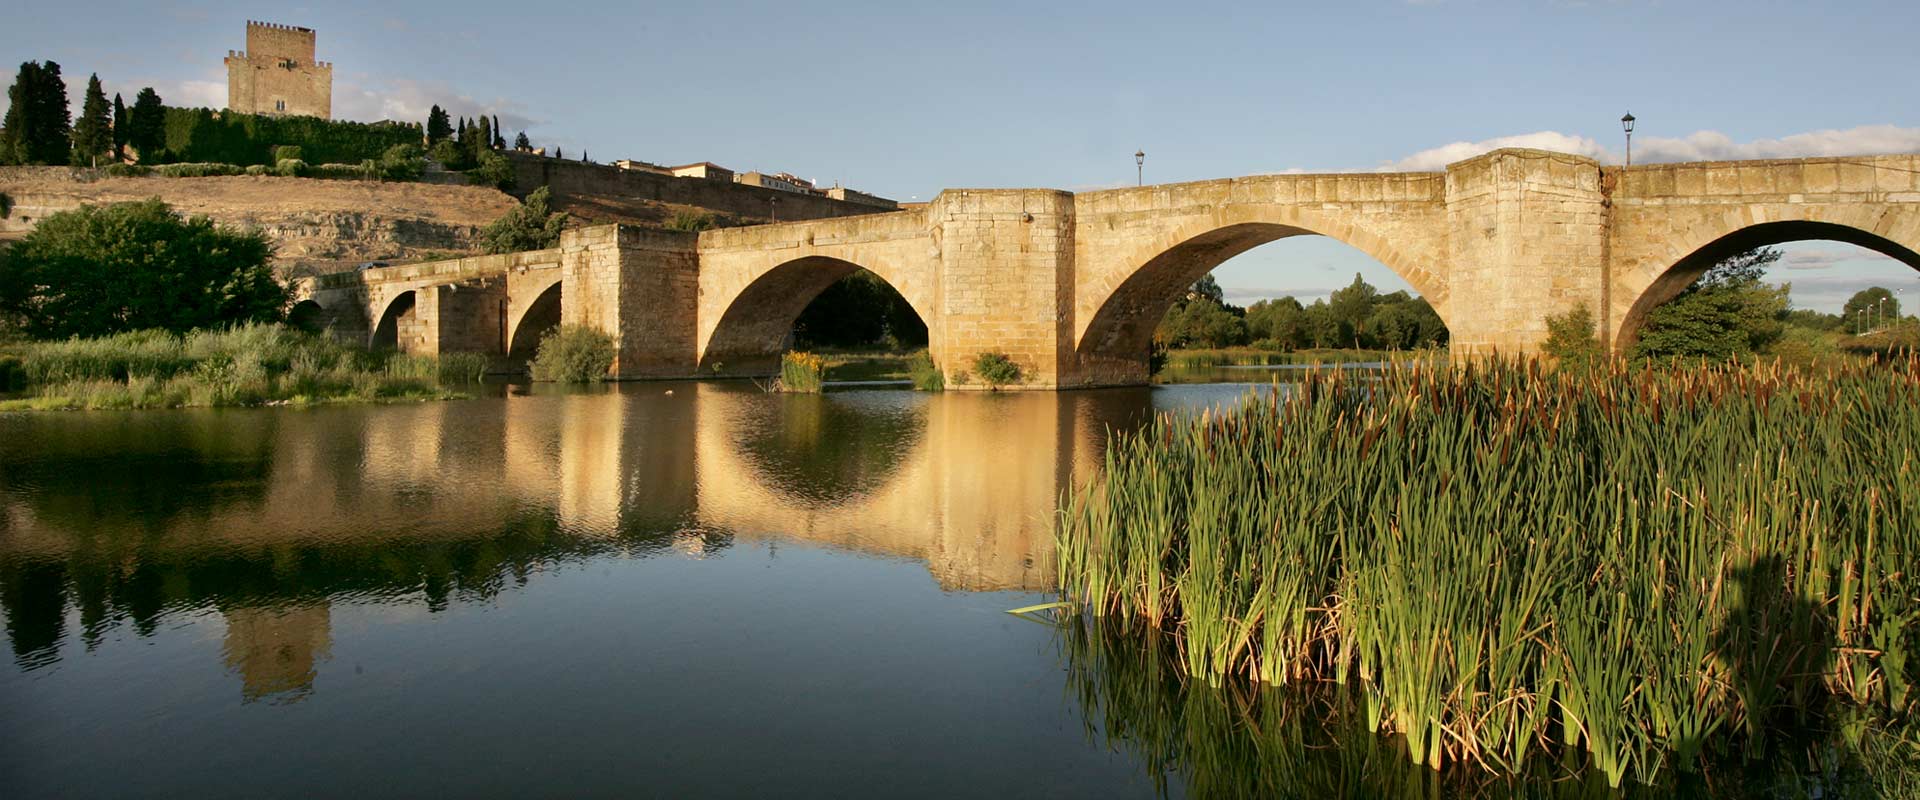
[278, 75]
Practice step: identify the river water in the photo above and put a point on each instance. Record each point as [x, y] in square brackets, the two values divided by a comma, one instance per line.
[648, 589]
[662, 589]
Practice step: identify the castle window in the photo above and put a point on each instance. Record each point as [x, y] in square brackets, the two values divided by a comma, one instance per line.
[279, 105]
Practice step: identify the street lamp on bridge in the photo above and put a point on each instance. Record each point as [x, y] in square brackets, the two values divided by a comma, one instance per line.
[1626, 123]
[1139, 167]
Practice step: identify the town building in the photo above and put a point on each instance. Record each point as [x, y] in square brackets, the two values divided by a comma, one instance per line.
[705, 170]
[277, 74]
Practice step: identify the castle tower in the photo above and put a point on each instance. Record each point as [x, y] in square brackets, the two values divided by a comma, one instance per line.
[277, 75]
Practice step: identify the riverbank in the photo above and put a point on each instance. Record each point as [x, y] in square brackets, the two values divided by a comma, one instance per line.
[249, 365]
[1647, 566]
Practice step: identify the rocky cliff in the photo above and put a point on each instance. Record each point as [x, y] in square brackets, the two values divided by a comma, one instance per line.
[315, 225]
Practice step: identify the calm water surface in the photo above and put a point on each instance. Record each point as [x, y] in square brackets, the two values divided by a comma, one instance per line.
[653, 589]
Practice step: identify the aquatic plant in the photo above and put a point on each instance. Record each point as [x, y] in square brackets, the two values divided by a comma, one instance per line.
[1639, 562]
[243, 365]
[801, 372]
[925, 374]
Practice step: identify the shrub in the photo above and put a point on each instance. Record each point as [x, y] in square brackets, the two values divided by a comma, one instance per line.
[451, 155]
[228, 137]
[363, 171]
[196, 170]
[532, 225]
[291, 168]
[126, 170]
[493, 170]
[258, 170]
[690, 221]
[573, 354]
[801, 372]
[996, 368]
[287, 152]
[926, 375]
[402, 162]
[1571, 340]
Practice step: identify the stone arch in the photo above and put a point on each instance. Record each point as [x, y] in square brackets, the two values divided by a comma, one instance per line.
[396, 323]
[308, 315]
[1118, 331]
[540, 315]
[751, 333]
[1691, 257]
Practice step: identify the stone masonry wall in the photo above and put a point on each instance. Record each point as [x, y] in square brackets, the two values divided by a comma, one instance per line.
[1527, 235]
[1005, 277]
[573, 178]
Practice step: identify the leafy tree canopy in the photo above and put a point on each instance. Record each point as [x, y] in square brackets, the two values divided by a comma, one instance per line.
[533, 225]
[1727, 313]
[99, 270]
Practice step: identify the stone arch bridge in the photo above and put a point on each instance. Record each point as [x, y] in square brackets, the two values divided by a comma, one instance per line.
[1071, 285]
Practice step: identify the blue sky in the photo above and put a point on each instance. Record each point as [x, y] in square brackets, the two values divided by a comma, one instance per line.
[904, 99]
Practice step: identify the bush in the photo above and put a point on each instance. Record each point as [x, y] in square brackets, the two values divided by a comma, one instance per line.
[197, 170]
[99, 270]
[494, 170]
[532, 225]
[363, 171]
[402, 162]
[291, 168]
[997, 369]
[801, 372]
[126, 170]
[287, 152]
[573, 354]
[926, 375]
[258, 170]
[1571, 340]
[451, 155]
[690, 221]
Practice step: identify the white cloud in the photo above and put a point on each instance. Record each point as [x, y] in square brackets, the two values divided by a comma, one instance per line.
[408, 100]
[1814, 259]
[1698, 146]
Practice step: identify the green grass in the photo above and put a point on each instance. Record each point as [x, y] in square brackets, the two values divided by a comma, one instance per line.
[241, 366]
[1636, 563]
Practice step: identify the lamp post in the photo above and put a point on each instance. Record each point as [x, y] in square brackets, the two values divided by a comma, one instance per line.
[1626, 124]
[773, 213]
[1139, 167]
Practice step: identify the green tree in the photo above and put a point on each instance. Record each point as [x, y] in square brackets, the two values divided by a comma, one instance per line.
[499, 136]
[120, 128]
[93, 131]
[1319, 328]
[1728, 312]
[532, 225]
[860, 310]
[1867, 307]
[1571, 339]
[438, 129]
[1350, 308]
[1280, 322]
[522, 143]
[492, 170]
[481, 142]
[37, 123]
[147, 126]
[98, 270]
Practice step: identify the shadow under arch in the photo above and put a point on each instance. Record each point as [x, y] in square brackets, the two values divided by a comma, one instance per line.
[399, 311]
[1695, 264]
[753, 331]
[1121, 330]
[540, 316]
[308, 315]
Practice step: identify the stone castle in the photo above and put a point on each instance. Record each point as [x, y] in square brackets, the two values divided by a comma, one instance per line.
[277, 74]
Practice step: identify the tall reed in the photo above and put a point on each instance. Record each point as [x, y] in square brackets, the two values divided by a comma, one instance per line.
[1639, 562]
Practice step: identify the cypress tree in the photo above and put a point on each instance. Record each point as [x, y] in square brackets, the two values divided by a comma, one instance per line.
[499, 136]
[147, 126]
[50, 140]
[120, 128]
[93, 131]
[482, 137]
[20, 107]
[438, 128]
[557, 155]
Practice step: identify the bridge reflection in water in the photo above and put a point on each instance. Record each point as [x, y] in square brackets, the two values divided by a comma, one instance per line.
[266, 519]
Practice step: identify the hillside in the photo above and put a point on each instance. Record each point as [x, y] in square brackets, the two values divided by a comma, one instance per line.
[316, 225]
